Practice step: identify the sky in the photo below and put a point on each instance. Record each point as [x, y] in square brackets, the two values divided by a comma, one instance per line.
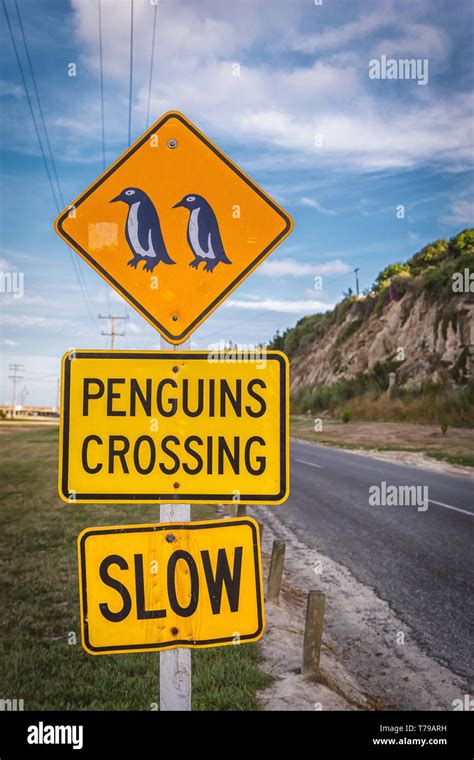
[339, 150]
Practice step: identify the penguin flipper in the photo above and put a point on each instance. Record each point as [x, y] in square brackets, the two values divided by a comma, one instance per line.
[216, 241]
[159, 246]
[218, 248]
[147, 219]
[203, 237]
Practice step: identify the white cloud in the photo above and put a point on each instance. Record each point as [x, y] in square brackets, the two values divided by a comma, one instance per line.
[281, 105]
[134, 328]
[461, 212]
[333, 267]
[7, 88]
[286, 268]
[9, 342]
[316, 205]
[341, 34]
[294, 268]
[420, 41]
[35, 322]
[289, 307]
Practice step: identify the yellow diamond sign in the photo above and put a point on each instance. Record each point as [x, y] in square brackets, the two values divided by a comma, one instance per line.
[174, 226]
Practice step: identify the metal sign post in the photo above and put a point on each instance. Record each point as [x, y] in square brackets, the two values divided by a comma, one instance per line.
[175, 664]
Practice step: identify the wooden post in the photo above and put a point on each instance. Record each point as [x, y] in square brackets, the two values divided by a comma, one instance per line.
[276, 571]
[241, 510]
[313, 633]
[175, 664]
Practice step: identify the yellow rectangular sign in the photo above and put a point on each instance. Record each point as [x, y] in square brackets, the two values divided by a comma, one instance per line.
[174, 426]
[150, 587]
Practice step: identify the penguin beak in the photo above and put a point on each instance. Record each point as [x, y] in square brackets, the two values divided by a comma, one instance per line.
[114, 200]
[177, 205]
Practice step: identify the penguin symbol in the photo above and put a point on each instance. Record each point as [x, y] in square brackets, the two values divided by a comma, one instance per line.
[204, 237]
[143, 230]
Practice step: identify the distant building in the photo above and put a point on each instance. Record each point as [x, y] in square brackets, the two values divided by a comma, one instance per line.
[26, 412]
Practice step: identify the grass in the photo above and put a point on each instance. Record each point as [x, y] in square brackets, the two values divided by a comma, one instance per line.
[365, 396]
[41, 657]
[467, 460]
[455, 446]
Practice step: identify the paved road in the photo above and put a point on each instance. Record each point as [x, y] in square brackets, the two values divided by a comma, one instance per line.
[421, 562]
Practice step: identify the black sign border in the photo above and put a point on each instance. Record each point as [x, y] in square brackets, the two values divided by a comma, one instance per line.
[153, 529]
[64, 490]
[95, 264]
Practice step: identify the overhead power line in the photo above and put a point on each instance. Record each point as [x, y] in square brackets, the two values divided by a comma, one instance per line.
[79, 274]
[101, 86]
[38, 100]
[152, 57]
[54, 191]
[131, 76]
[76, 266]
[17, 56]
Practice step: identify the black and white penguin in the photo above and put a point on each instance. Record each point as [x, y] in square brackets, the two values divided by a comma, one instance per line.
[143, 229]
[204, 237]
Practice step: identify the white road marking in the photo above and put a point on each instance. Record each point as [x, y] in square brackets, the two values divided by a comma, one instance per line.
[439, 503]
[448, 506]
[311, 464]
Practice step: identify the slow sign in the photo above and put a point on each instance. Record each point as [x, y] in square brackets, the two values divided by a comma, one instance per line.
[150, 587]
[185, 427]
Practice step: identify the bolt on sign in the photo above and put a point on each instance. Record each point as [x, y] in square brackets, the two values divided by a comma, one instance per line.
[149, 587]
[174, 226]
[189, 427]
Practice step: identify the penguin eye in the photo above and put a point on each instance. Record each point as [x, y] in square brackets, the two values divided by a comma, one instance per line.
[191, 198]
[129, 192]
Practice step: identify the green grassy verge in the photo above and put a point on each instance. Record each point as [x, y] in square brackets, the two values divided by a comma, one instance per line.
[41, 657]
[455, 447]
[465, 459]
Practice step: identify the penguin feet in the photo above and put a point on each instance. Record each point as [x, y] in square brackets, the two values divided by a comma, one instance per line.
[149, 266]
[209, 267]
[194, 263]
[133, 263]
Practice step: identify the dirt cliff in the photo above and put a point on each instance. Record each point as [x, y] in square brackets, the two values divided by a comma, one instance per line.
[423, 340]
[414, 328]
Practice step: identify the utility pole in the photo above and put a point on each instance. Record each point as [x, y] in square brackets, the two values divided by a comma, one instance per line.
[356, 270]
[15, 369]
[113, 331]
[24, 393]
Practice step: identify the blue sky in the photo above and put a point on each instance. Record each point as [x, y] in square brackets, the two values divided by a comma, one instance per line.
[303, 73]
